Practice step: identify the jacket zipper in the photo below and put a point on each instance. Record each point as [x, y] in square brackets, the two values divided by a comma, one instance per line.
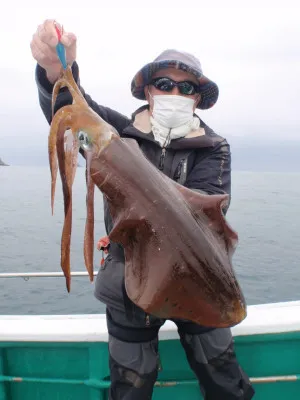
[163, 152]
[162, 159]
[147, 320]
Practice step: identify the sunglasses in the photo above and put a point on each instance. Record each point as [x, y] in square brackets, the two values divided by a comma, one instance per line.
[167, 85]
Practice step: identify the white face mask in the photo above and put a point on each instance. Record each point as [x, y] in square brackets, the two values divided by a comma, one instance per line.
[172, 111]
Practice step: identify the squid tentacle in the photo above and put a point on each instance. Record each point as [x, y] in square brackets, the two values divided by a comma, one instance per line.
[67, 80]
[63, 158]
[89, 225]
[58, 125]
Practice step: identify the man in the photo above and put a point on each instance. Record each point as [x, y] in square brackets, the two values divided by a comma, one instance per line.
[183, 147]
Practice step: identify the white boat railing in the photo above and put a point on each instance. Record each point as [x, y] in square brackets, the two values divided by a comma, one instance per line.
[27, 275]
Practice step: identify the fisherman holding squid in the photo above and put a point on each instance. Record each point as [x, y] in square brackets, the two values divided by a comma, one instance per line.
[180, 145]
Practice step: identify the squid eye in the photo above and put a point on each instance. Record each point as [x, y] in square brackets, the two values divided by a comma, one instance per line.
[84, 140]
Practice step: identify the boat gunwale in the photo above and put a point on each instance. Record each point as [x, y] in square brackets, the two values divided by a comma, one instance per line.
[262, 319]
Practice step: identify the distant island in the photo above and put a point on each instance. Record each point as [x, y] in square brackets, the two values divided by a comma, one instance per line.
[2, 163]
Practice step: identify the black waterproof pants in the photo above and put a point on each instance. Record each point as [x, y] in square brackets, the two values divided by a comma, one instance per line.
[133, 351]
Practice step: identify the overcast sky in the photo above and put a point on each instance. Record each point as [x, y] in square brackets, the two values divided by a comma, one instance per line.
[252, 53]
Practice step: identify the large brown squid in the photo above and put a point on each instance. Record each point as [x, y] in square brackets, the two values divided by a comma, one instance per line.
[178, 245]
